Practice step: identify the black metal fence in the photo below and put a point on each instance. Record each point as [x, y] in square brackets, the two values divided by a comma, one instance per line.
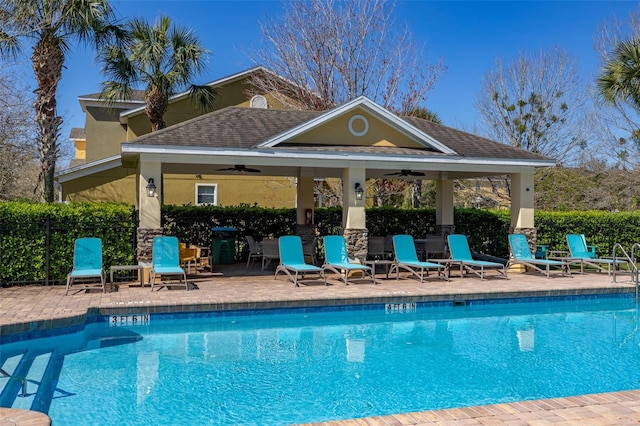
[41, 252]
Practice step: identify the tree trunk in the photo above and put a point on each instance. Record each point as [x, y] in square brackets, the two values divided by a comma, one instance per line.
[156, 106]
[47, 61]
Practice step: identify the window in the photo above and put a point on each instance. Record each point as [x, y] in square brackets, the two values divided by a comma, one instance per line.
[206, 194]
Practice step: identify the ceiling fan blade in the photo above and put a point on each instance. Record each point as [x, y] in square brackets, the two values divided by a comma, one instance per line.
[405, 172]
[239, 168]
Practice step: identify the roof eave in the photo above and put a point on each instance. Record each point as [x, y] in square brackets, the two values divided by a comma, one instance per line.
[132, 150]
[88, 169]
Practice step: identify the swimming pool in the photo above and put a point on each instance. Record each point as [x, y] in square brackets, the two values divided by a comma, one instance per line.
[307, 365]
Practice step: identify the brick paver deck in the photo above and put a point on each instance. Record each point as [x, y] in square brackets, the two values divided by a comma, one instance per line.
[231, 287]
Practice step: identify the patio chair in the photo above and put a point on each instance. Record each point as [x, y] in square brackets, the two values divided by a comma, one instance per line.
[337, 260]
[406, 258]
[292, 260]
[375, 248]
[435, 247]
[309, 250]
[87, 264]
[188, 257]
[460, 252]
[579, 253]
[270, 252]
[522, 256]
[255, 250]
[165, 262]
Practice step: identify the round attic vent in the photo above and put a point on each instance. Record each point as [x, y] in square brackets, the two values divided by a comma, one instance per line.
[358, 125]
[259, 101]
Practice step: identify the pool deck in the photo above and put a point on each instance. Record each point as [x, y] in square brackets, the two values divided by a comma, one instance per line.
[31, 308]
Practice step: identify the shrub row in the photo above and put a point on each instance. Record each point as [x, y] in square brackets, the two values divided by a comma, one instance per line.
[36, 240]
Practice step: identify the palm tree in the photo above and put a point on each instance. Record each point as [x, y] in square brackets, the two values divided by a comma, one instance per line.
[619, 79]
[160, 57]
[424, 113]
[50, 26]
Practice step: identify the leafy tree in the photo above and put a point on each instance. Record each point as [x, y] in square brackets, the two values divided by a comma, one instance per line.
[619, 86]
[161, 57]
[332, 52]
[50, 26]
[618, 113]
[536, 103]
[619, 79]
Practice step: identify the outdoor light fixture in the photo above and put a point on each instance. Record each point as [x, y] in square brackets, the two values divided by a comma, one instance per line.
[359, 191]
[151, 188]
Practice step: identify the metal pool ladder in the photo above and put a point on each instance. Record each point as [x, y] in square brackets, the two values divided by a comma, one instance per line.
[630, 259]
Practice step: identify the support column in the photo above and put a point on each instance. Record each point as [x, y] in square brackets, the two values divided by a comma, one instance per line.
[305, 227]
[148, 207]
[444, 205]
[522, 206]
[353, 213]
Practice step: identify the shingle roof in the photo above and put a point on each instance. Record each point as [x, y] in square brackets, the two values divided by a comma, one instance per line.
[244, 128]
[77, 133]
[231, 127]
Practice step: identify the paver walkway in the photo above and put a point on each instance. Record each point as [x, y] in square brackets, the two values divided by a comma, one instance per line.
[231, 287]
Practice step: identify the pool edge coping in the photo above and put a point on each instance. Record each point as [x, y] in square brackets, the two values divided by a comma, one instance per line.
[9, 331]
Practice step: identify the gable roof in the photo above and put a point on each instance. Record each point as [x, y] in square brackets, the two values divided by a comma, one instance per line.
[215, 83]
[255, 129]
[375, 110]
[271, 140]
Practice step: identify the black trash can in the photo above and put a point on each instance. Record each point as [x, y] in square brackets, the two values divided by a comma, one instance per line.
[223, 245]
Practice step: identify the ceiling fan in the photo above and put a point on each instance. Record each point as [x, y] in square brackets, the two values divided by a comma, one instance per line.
[405, 172]
[239, 168]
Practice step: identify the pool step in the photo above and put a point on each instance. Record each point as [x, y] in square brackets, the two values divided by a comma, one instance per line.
[21, 378]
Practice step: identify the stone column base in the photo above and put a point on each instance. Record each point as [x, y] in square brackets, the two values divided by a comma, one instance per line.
[357, 243]
[145, 238]
[306, 232]
[445, 230]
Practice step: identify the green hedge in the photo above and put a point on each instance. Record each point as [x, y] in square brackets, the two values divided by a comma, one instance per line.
[32, 235]
[25, 249]
[487, 229]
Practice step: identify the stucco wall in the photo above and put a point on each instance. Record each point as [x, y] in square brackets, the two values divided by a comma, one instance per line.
[104, 133]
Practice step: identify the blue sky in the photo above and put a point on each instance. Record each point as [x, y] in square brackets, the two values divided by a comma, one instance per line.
[467, 35]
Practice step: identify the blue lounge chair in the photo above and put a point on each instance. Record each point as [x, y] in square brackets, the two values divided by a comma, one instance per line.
[336, 259]
[406, 258]
[165, 261]
[460, 252]
[87, 264]
[522, 256]
[292, 260]
[579, 252]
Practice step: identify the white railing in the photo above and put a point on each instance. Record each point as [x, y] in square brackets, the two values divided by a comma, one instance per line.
[630, 259]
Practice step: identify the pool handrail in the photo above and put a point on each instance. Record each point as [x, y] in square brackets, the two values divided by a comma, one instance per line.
[630, 260]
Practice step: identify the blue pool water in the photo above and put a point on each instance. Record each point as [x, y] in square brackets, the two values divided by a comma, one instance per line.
[313, 365]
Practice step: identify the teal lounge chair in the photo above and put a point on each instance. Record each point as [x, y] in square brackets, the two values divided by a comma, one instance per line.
[406, 258]
[292, 260]
[165, 261]
[460, 252]
[336, 259]
[87, 264]
[579, 253]
[522, 256]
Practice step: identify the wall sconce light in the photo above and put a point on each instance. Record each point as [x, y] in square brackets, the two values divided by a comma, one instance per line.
[151, 188]
[359, 192]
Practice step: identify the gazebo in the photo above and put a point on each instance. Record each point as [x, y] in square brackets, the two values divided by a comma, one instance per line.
[356, 141]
